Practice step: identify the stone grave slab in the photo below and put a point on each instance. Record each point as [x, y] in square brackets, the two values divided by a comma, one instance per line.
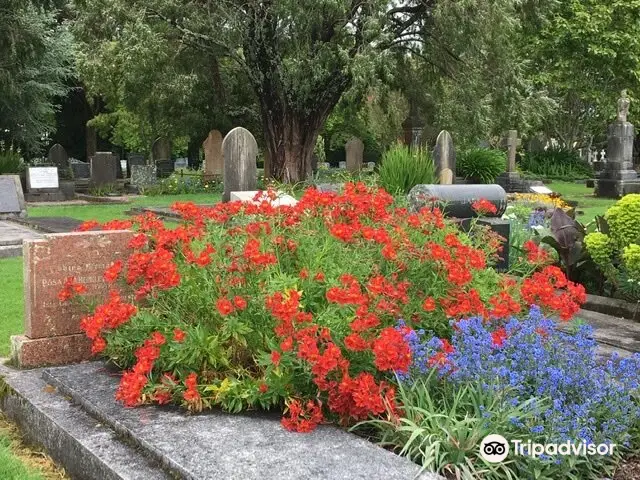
[248, 197]
[240, 171]
[39, 178]
[80, 169]
[541, 189]
[217, 445]
[104, 168]
[11, 195]
[11, 238]
[213, 161]
[52, 328]
[52, 224]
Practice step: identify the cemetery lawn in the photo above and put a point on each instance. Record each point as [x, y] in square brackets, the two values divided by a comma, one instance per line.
[105, 212]
[590, 205]
[12, 305]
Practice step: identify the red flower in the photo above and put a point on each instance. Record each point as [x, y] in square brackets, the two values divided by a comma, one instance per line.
[535, 254]
[224, 306]
[499, 337]
[70, 289]
[484, 207]
[263, 388]
[158, 339]
[98, 345]
[178, 335]
[391, 351]
[191, 394]
[429, 304]
[356, 343]
[319, 277]
[88, 225]
[111, 274]
[239, 302]
[275, 358]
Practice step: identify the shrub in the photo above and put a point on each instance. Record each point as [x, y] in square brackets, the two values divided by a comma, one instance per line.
[177, 184]
[481, 165]
[553, 380]
[615, 249]
[10, 162]
[403, 168]
[556, 163]
[246, 305]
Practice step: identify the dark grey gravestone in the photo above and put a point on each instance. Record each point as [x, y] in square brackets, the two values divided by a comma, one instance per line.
[80, 169]
[52, 224]
[240, 170]
[354, 150]
[456, 200]
[217, 445]
[161, 150]
[164, 168]
[143, 175]
[58, 156]
[498, 226]
[11, 195]
[444, 158]
[104, 168]
[618, 177]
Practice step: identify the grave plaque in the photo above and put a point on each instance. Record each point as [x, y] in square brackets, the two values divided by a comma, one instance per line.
[456, 200]
[39, 178]
[11, 195]
[48, 262]
[240, 169]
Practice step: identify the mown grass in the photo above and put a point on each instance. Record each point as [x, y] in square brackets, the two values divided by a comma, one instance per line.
[12, 305]
[589, 206]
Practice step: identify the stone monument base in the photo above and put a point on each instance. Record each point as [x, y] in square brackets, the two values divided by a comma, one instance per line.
[49, 196]
[608, 188]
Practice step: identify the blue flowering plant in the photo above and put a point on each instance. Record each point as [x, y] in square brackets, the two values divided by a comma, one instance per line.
[568, 392]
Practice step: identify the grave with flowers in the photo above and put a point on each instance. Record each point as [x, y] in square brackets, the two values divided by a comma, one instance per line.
[257, 334]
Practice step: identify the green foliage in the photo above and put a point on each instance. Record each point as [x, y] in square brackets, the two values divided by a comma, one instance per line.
[441, 426]
[108, 189]
[188, 183]
[35, 66]
[403, 168]
[615, 247]
[10, 161]
[556, 164]
[481, 165]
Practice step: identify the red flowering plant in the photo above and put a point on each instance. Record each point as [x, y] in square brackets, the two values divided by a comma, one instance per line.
[247, 305]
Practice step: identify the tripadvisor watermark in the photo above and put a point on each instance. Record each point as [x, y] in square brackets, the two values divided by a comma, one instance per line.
[496, 448]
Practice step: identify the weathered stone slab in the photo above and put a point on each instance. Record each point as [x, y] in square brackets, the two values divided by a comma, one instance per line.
[161, 149]
[51, 224]
[217, 445]
[85, 448]
[240, 169]
[354, 154]
[213, 159]
[48, 262]
[80, 169]
[11, 195]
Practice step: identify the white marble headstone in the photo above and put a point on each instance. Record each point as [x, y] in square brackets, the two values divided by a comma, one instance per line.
[42, 177]
[541, 189]
[249, 196]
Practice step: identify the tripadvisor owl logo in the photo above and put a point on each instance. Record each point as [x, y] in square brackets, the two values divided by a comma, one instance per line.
[494, 448]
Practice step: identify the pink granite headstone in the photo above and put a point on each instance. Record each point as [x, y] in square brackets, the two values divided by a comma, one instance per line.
[52, 328]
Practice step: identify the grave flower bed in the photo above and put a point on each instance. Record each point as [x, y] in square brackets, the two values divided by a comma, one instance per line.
[248, 306]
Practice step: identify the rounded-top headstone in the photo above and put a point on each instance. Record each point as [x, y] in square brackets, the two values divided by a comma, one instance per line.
[58, 156]
[354, 154]
[213, 160]
[161, 149]
[240, 150]
[444, 158]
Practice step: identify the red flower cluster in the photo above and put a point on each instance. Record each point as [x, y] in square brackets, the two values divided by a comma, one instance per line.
[484, 207]
[191, 393]
[108, 316]
[133, 382]
[302, 419]
[535, 253]
[70, 288]
[550, 289]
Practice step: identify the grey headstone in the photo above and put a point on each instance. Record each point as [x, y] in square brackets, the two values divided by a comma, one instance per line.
[81, 169]
[58, 156]
[355, 154]
[181, 163]
[240, 170]
[104, 168]
[134, 159]
[11, 195]
[164, 168]
[213, 160]
[444, 158]
[456, 200]
[143, 175]
[161, 149]
[342, 165]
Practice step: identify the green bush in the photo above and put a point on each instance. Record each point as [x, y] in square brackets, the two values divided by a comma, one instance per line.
[402, 169]
[481, 165]
[556, 163]
[10, 161]
[189, 182]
